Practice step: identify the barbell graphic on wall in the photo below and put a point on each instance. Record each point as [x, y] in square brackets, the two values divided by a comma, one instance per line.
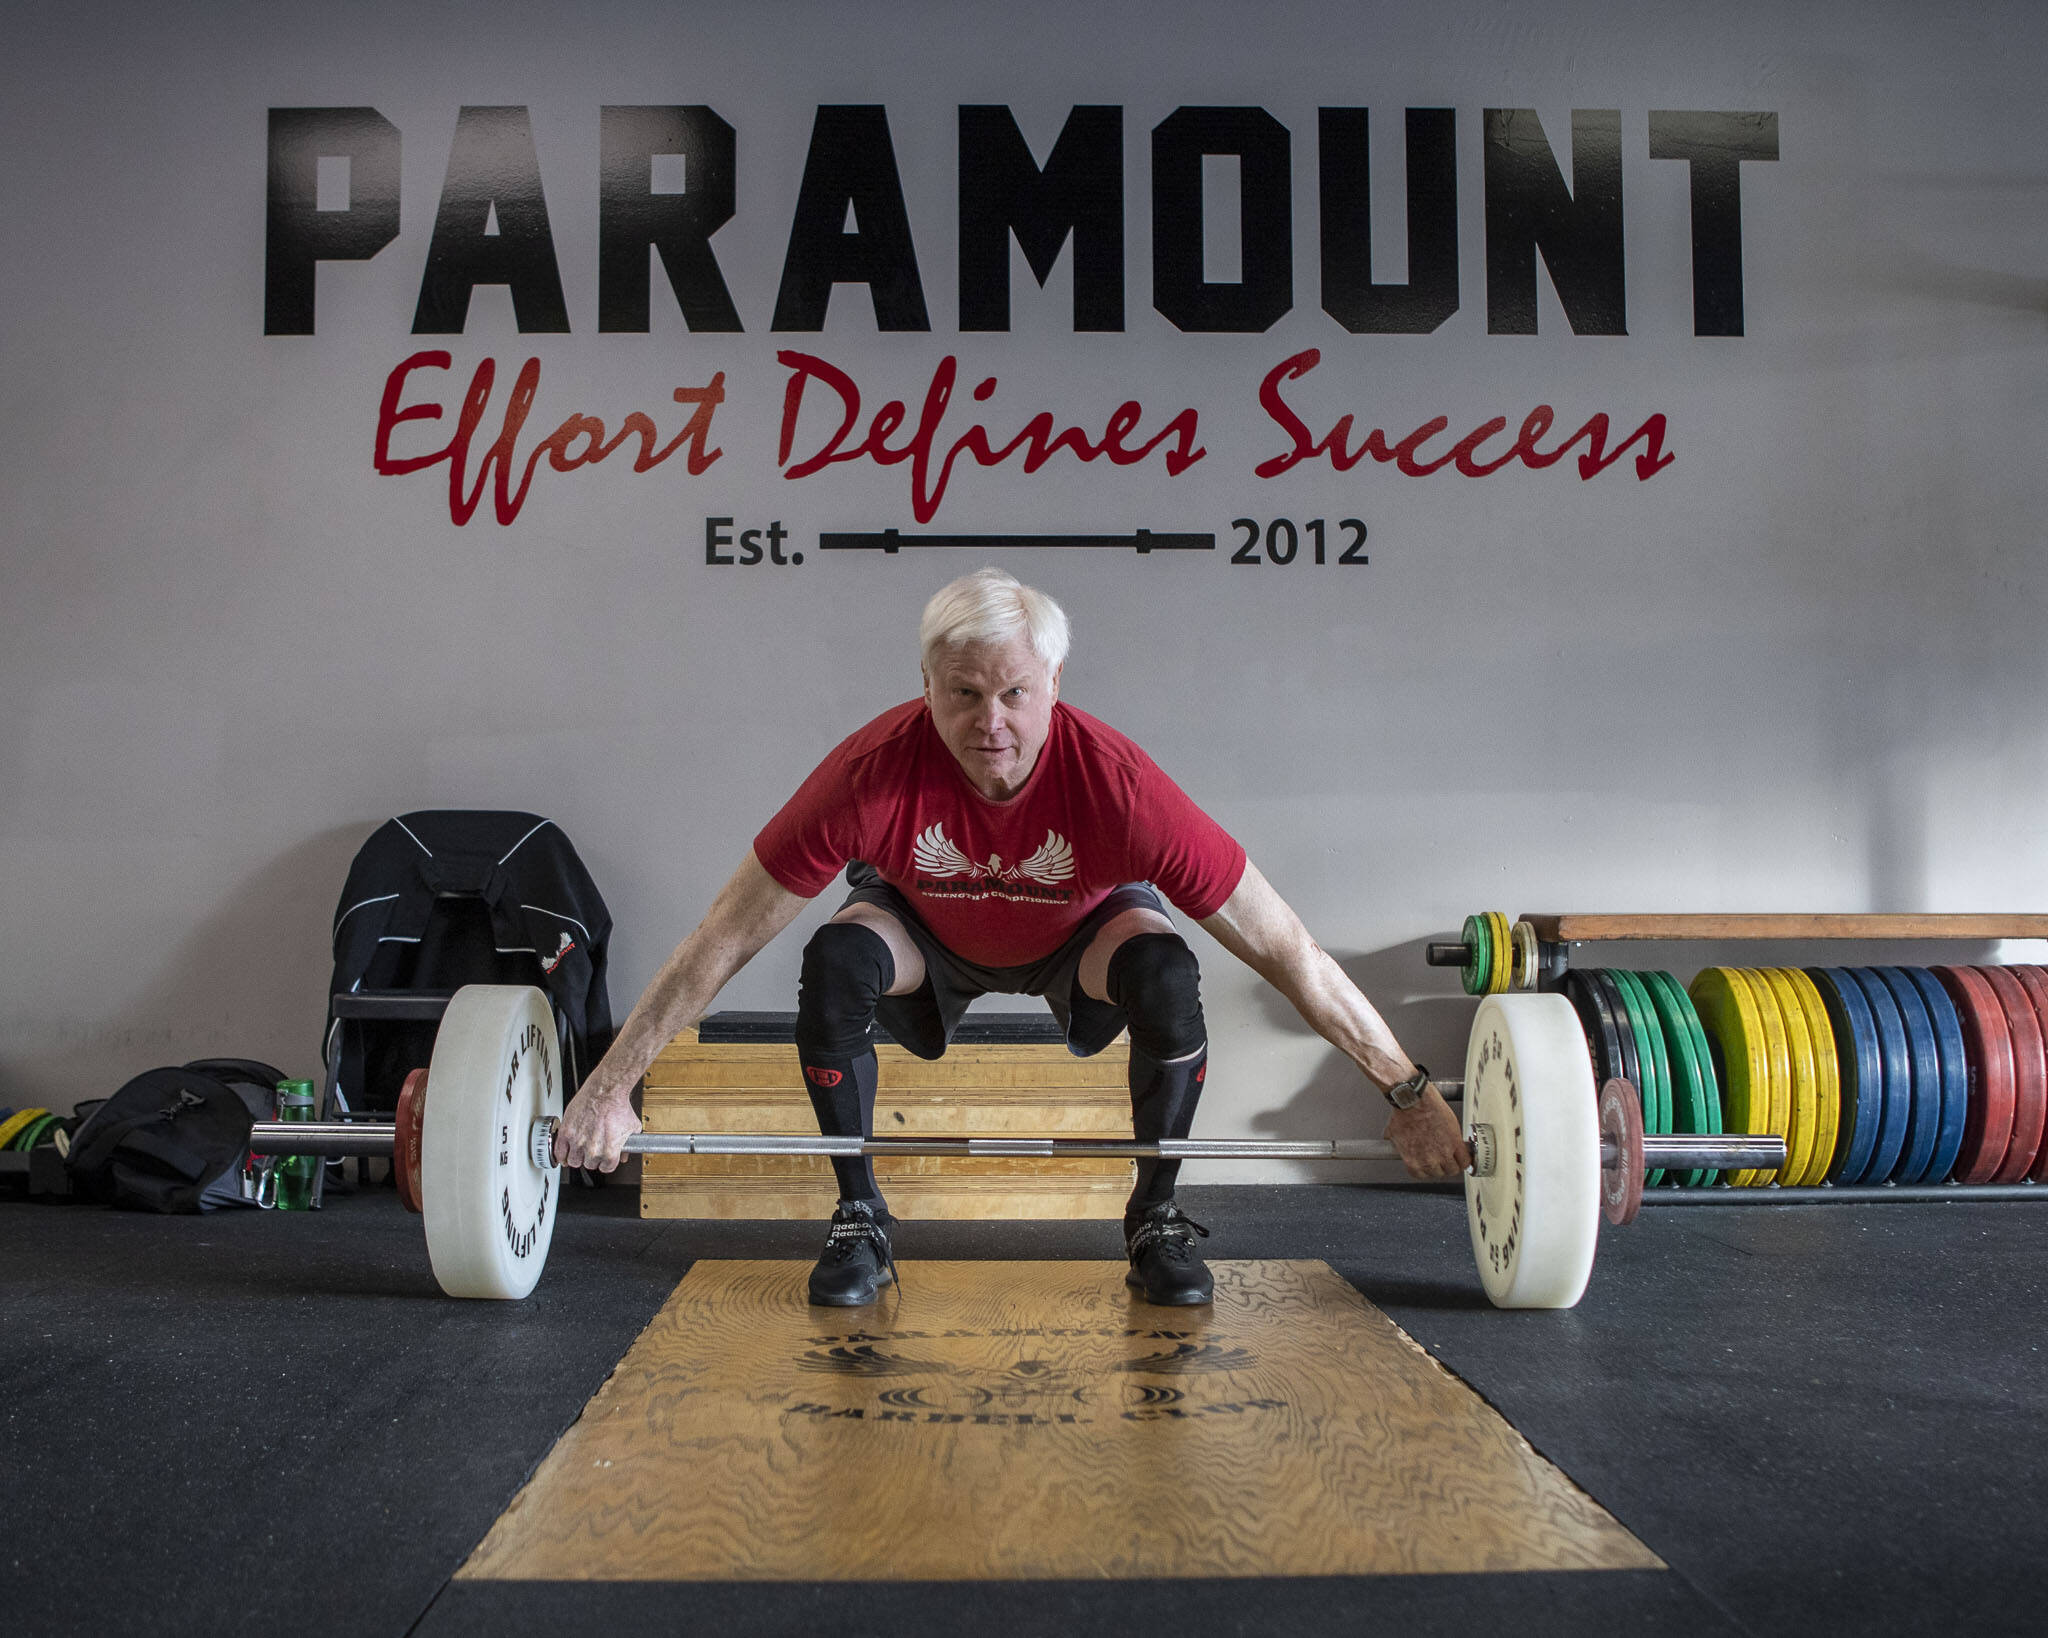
[476, 1157]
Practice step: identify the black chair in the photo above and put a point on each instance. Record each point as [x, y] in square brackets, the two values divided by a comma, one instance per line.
[439, 899]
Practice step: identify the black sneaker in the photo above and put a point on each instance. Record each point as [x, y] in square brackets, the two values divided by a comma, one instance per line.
[857, 1260]
[1164, 1262]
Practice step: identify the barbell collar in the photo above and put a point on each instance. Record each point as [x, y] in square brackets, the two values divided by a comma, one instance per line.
[333, 1138]
[1708, 1152]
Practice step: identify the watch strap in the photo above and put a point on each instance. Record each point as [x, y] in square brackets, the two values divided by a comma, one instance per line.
[1407, 1094]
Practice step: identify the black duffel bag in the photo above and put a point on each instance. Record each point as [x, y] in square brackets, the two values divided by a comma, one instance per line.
[172, 1140]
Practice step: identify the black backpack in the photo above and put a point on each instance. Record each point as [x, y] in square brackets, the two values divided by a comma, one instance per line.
[174, 1140]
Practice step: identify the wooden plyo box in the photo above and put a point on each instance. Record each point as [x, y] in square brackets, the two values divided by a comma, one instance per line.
[994, 1081]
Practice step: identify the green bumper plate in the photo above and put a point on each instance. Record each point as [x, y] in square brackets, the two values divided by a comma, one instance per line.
[1654, 1057]
[1478, 948]
[1695, 1102]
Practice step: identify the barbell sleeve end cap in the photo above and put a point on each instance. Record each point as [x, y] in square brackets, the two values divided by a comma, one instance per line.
[540, 1142]
[1485, 1153]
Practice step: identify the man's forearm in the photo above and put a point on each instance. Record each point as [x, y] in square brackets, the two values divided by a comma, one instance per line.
[681, 993]
[749, 911]
[1258, 927]
[1336, 1009]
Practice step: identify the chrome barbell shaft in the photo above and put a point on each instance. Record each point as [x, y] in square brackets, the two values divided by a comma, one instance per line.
[376, 1138]
[740, 1143]
[1683, 1151]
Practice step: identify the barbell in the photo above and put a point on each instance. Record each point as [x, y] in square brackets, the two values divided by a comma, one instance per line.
[476, 1157]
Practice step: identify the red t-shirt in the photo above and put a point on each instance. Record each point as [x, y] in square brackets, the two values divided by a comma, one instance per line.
[1000, 883]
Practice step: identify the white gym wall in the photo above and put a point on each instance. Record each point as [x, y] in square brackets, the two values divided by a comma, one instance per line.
[1801, 667]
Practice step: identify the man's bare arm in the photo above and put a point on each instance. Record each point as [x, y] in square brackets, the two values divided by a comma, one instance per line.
[1259, 927]
[749, 911]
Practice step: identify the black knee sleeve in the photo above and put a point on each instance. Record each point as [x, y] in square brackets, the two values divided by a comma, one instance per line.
[1155, 978]
[847, 968]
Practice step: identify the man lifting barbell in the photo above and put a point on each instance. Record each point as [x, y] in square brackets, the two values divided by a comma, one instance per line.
[998, 841]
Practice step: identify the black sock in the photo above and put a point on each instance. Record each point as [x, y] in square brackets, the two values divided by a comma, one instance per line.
[843, 1094]
[1163, 1099]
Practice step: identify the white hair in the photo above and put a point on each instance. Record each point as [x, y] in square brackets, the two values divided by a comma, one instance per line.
[989, 606]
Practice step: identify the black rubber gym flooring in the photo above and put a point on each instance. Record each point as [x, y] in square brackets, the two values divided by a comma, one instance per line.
[1825, 1419]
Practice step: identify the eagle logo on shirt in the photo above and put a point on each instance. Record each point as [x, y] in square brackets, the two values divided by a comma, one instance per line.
[1035, 878]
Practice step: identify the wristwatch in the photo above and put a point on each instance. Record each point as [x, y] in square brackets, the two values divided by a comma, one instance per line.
[1407, 1094]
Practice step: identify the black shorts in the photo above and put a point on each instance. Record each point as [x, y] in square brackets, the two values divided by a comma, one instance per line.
[923, 1021]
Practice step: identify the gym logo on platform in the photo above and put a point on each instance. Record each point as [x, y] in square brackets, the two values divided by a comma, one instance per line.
[945, 872]
[1028, 1378]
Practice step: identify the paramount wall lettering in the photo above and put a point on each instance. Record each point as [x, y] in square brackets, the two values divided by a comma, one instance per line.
[850, 175]
[851, 225]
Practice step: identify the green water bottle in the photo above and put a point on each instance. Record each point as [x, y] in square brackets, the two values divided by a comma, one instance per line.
[295, 1173]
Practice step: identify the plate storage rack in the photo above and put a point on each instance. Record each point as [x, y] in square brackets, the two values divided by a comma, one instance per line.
[1892, 1081]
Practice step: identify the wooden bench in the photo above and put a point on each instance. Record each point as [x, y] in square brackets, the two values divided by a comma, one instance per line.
[1005, 1074]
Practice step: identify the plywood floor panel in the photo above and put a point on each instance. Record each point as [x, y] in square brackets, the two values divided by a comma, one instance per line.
[1034, 1421]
